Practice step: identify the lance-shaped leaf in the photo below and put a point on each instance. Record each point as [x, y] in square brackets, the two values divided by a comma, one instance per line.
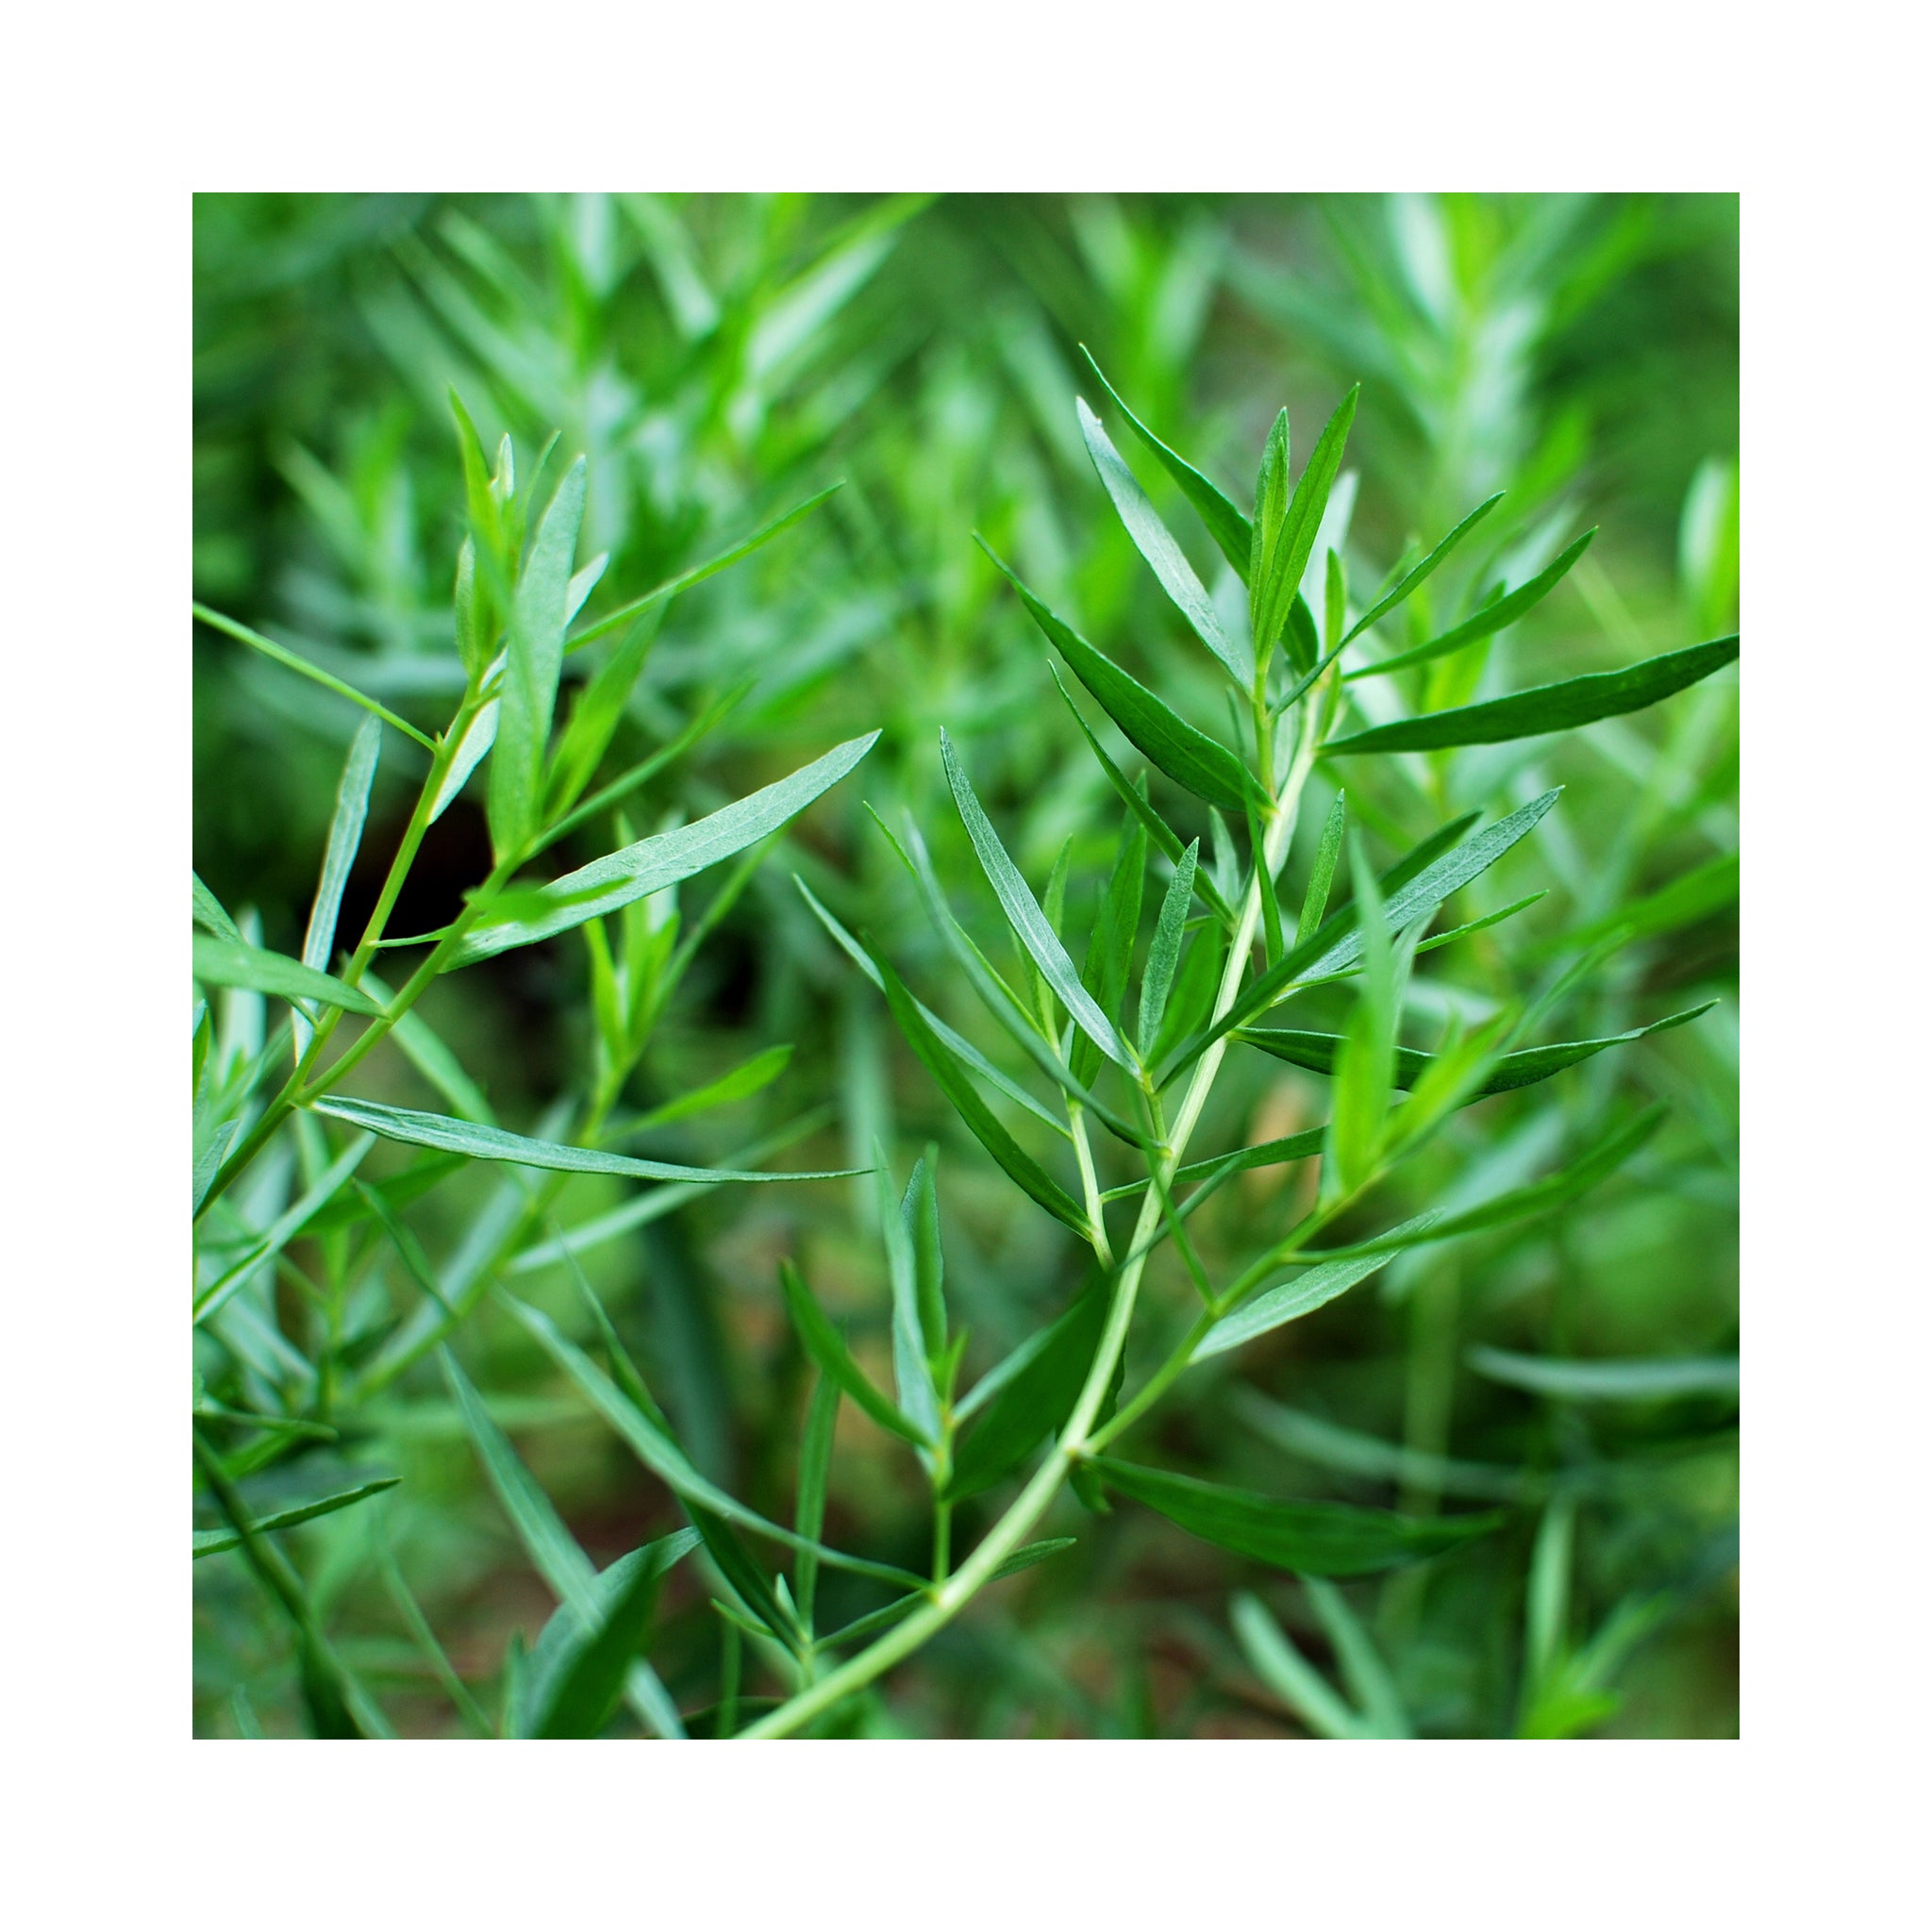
[493, 1143]
[1166, 951]
[1548, 708]
[1365, 1064]
[1154, 541]
[1315, 901]
[1134, 799]
[576, 1685]
[1023, 914]
[1338, 945]
[209, 1543]
[1519, 1204]
[1302, 1294]
[1413, 580]
[660, 1454]
[751, 1077]
[1225, 522]
[827, 1348]
[533, 658]
[911, 1370]
[1489, 620]
[1653, 1378]
[1033, 1400]
[227, 962]
[212, 913]
[344, 841]
[1192, 760]
[1282, 552]
[664, 860]
[951, 1075]
[1317, 1051]
[1313, 1538]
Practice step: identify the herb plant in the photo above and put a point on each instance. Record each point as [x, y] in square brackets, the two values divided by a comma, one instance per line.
[1223, 903]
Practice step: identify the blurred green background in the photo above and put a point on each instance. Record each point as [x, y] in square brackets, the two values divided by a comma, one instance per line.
[719, 358]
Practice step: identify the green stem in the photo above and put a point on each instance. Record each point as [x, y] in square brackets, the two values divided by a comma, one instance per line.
[1076, 1439]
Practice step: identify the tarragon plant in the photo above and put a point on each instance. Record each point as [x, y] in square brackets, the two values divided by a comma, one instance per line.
[1123, 1048]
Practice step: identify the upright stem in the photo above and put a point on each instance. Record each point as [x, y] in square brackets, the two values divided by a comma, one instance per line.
[1076, 1441]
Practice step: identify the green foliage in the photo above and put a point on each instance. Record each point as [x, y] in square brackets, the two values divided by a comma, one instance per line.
[569, 1251]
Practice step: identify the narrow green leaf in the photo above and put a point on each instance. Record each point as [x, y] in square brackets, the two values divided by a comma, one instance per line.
[1312, 1440]
[1315, 903]
[957, 1042]
[1166, 952]
[689, 579]
[1362, 1667]
[588, 1690]
[1696, 894]
[1317, 1052]
[1312, 1538]
[1486, 621]
[911, 1370]
[825, 1347]
[1109, 959]
[1303, 1293]
[287, 658]
[1654, 1379]
[1283, 558]
[227, 962]
[664, 860]
[1156, 542]
[1225, 522]
[1135, 802]
[209, 911]
[209, 1542]
[344, 841]
[1272, 1655]
[1188, 757]
[752, 1076]
[1023, 914]
[594, 720]
[1415, 579]
[659, 1453]
[1482, 924]
[492, 1143]
[920, 1208]
[1548, 708]
[1029, 1554]
[1365, 1063]
[1032, 1402]
[533, 658]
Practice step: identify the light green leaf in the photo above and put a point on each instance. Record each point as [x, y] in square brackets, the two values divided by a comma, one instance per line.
[1285, 1671]
[1653, 1379]
[664, 860]
[533, 658]
[209, 1542]
[1282, 552]
[911, 1371]
[1166, 951]
[1194, 760]
[1300, 1295]
[1365, 1063]
[1312, 1538]
[1023, 914]
[1225, 522]
[1315, 903]
[227, 962]
[289, 658]
[1548, 708]
[209, 911]
[492, 1143]
[1489, 620]
[751, 1077]
[1156, 542]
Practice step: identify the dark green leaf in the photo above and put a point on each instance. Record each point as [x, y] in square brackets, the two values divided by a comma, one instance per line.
[1414, 579]
[911, 1367]
[588, 1691]
[1489, 620]
[950, 1073]
[1317, 1051]
[1189, 757]
[207, 1542]
[1548, 708]
[1313, 1538]
[1284, 551]
[1166, 951]
[1034, 1402]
